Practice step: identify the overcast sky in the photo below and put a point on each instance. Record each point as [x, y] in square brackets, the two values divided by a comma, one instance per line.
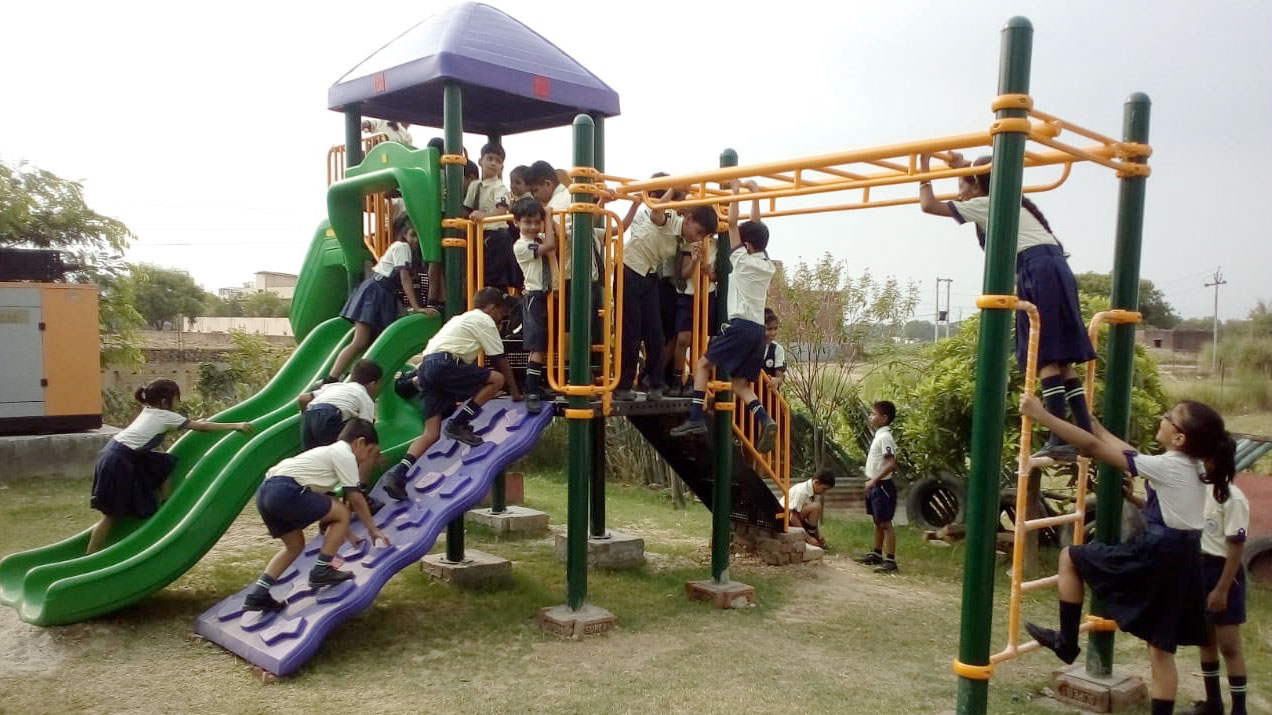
[204, 127]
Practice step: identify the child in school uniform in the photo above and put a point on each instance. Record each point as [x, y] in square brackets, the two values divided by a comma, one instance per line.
[774, 353]
[488, 197]
[449, 374]
[315, 486]
[1151, 586]
[739, 348]
[546, 187]
[534, 250]
[881, 491]
[1043, 278]
[397, 131]
[518, 188]
[373, 305]
[325, 411]
[691, 256]
[806, 509]
[129, 470]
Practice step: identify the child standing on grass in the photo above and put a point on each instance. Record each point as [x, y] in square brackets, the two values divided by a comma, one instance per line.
[1151, 586]
[881, 491]
[299, 491]
[805, 509]
[449, 374]
[373, 305]
[129, 470]
[739, 348]
[1042, 278]
[534, 249]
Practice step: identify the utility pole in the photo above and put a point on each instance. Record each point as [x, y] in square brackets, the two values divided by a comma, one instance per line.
[948, 308]
[937, 316]
[1214, 347]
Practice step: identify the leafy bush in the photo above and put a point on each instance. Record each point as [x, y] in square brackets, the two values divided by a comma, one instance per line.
[250, 365]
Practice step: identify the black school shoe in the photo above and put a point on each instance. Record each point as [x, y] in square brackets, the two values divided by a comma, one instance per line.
[327, 576]
[1060, 453]
[689, 428]
[394, 482]
[262, 602]
[534, 405]
[1050, 639]
[406, 385]
[870, 559]
[462, 432]
[768, 436]
[373, 504]
[888, 566]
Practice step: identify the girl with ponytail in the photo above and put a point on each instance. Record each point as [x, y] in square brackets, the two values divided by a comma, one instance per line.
[129, 471]
[1152, 586]
[1042, 278]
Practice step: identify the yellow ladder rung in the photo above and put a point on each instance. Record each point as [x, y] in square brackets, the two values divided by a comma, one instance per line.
[1049, 521]
[1040, 583]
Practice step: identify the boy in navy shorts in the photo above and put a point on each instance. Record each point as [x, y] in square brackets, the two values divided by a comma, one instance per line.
[881, 491]
[449, 374]
[534, 248]
[325, 411]
[739, 348]
[299, 491]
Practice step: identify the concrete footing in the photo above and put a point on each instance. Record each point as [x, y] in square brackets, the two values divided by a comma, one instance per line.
[52, 455]
[514, 520]
[479, 571]
[773, 547]
[616, 551]
[730, 594]
[1110, 694]
[587, 621]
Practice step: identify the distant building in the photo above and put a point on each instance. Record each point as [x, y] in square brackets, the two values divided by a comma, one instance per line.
[1176, 341]
[282, 285]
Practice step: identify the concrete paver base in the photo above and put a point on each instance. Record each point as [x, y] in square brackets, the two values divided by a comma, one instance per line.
[1110, 694]
[587, 621]
[730, 594]
[479, 571]
[618, 550]
[516, 520]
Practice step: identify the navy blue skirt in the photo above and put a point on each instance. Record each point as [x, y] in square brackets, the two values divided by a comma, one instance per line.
[125, 480]
[1152, 585]
[738, 349]
[1044, 279]
[374, 302]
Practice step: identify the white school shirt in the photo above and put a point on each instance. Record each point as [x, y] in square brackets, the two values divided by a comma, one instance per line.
[648, 245]
[145, 431]
[881, 447]
[321, 468]
[1226, 523]
[534, 268]
[467, 334]
[1176, 477]
[559, 202]
[351, 398]
[397, 256]
[400, 135]
[483, 195]
[708, 256]
[748, 284]
[1030, 234]
[801, 494]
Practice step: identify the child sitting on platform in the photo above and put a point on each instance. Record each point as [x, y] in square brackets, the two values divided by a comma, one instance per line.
[448, 374]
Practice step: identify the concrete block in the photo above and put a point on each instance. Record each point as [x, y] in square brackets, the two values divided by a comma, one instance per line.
[72, 454]
[587, 621]
[1114, 693]
[731, 594]
[813, 553]
[617, 550]
[516, 520]
[479, 571]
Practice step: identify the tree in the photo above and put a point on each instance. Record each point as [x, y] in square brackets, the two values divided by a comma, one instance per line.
[225, 307]
[831, 323]
[162, 294]
[1152, 303]
[264, 304]
[39, 209]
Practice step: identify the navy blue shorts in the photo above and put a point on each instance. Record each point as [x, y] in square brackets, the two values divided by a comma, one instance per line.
[445, 381]
[320, 425]
[534, 321]
[684, 313]
[285, 506]
[738, 349]
[881, 502]
[1234, 615]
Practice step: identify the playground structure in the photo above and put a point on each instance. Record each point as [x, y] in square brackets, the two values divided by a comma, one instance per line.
[217, 473]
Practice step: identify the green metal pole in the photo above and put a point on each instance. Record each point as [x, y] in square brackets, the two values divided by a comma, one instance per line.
[598, 141]
[353, 134]
[580, 430]
[722, 421]
[991, 372]
[499, 494]
[600, 462]
[452, 207]
[1119, 366]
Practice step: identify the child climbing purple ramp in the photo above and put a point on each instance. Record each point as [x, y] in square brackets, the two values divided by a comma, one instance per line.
[449, 480]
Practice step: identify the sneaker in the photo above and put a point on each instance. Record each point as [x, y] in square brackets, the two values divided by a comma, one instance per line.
[1050, 639]
[327, 576]
[373, 504]
[258, 601]
[689, 428]
[406, 386]
[625, 395]
[655, 394]
[870, 559]
[768, 437]
[462, 432]
[888, 566]
[533, 404]
[394, 482]
[1060, 453]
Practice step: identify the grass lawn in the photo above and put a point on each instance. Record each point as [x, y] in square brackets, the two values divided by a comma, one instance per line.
[829, 637]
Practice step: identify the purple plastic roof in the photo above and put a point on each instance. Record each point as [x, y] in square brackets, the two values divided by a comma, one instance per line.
[514, 80]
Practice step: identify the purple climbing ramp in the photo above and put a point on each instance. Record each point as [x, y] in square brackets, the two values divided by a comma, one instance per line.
[449, 480]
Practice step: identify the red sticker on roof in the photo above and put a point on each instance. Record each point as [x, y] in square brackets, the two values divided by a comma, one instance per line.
[542, 86]
[377, 82]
